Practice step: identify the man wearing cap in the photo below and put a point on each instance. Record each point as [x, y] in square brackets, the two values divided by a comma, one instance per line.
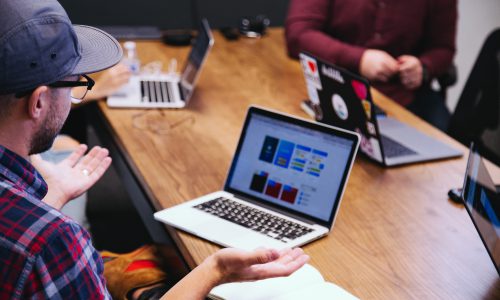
[44, 254]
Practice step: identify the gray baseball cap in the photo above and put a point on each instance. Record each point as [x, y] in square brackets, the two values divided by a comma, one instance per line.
[39, 45]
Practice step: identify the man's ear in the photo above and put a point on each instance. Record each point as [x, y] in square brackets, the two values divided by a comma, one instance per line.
[38, 101]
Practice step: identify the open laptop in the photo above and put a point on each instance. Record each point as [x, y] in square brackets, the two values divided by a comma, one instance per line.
[167, 90]
[481, 198]
[343, 99]
[283, 188]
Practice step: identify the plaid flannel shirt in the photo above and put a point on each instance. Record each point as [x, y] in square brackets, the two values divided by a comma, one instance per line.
[43, 254]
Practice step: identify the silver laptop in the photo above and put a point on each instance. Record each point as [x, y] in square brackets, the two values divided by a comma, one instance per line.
[167, 90]
[341, 98]
[283, 188]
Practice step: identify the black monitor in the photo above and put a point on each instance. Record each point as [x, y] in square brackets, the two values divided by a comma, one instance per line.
[482, 200]
[132, 15]
[477, 114]
[165, 14]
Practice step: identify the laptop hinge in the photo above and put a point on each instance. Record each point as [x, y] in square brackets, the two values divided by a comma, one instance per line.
[280, 211]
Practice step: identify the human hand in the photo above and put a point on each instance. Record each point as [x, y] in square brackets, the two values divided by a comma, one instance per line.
[229, 265]
[411, 71]
[109, 82]
[73, 176]
[377, 65]
[240, 265]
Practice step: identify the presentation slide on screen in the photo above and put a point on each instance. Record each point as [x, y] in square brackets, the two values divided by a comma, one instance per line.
[291, 166]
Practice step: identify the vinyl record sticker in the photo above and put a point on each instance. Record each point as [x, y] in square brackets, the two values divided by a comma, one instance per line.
[340, 107]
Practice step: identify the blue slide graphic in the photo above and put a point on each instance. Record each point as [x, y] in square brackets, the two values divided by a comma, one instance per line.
[285, 151]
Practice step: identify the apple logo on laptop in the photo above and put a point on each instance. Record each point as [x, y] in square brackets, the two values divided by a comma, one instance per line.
[340, 107]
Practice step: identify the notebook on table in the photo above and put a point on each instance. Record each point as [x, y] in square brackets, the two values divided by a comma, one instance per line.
[305, 283]
[283, 189]
[341, 98]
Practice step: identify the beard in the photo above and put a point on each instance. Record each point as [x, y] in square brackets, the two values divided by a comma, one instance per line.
[44, 138]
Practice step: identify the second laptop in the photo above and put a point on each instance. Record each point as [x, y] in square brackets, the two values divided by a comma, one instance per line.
[343, 99]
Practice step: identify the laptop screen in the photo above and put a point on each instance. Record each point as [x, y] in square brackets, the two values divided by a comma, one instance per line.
[343, 99]
[292, 164]
[482, 200]
[199, 52]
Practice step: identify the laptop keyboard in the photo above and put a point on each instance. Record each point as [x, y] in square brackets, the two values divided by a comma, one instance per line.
[273, 226]
[393, 148]
[157, 91]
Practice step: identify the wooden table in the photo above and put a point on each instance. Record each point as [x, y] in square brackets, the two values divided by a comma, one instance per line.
[397, 236]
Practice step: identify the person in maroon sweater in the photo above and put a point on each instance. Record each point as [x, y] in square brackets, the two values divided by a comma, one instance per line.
[398, 45]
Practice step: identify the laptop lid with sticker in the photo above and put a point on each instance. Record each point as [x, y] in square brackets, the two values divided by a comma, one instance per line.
[343, 99]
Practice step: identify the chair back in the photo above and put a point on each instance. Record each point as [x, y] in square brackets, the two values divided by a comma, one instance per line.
[477, 114]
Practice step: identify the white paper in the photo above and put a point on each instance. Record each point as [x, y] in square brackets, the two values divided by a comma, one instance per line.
[305, 283]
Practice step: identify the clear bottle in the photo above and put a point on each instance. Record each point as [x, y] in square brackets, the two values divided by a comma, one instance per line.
[131, 59]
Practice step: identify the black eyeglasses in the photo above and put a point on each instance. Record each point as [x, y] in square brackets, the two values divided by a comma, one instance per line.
[77, 95]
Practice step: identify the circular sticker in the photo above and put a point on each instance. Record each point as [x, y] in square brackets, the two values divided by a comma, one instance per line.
[340, 107]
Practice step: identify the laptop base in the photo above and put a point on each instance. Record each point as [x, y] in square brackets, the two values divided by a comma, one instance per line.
[152, 91]
[425, 148]
[219, 231]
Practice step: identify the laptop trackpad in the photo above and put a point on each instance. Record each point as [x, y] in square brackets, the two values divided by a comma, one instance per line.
[218, 228]
[411, 137]
[228, 234]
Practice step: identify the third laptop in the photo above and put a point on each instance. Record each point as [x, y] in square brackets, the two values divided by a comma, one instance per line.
[343, 99]
[165, 90]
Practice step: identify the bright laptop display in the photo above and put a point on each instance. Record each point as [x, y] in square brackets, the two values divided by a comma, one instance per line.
[482, 200]
[296, 168]
[288, 167]
[167, 90]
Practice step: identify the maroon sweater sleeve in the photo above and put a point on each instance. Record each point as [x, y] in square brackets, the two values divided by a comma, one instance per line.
[440, 37]
[304, 26]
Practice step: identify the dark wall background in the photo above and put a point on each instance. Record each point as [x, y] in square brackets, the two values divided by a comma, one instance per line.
[172, 14]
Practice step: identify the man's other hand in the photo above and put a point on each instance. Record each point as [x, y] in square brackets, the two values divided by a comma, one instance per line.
[240, 265]
[74, 175]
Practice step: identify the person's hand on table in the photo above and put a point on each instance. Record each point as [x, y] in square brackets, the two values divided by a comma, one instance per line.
[378, 65]
[73, 176]
[239, 265]
[232, 265]
[410, 71]
[109, 82]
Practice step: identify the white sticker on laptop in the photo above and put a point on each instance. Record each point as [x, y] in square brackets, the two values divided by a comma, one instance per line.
[377, 154]
[313, 94]
[311, 72]
[340, 107]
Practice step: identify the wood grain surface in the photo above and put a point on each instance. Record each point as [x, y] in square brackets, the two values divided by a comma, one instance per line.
[397, 236]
